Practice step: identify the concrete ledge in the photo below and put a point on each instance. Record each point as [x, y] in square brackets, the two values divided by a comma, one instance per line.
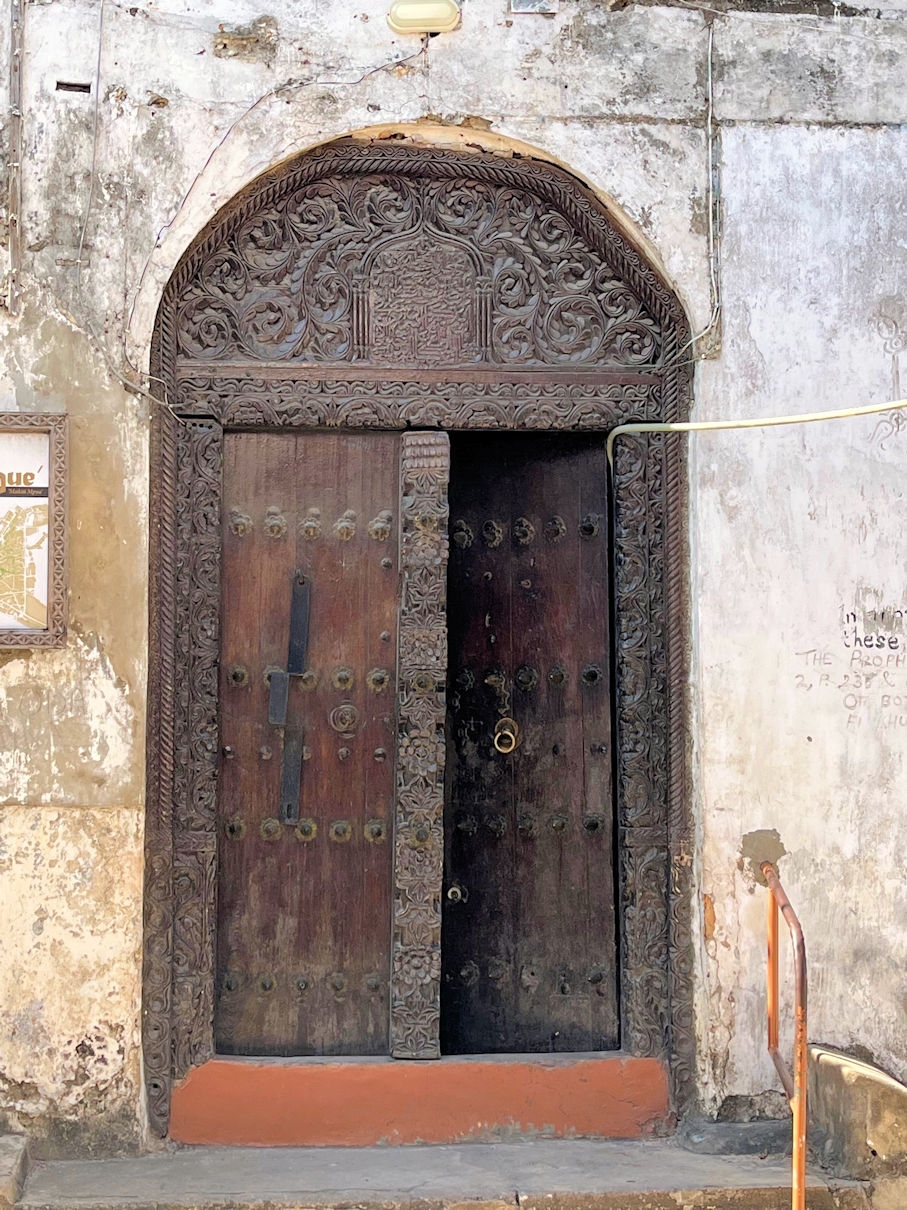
[13, 1168]
[357, 1103]
[544, 1174]
[858, 1116]
[704, 1137]
[890, 1193]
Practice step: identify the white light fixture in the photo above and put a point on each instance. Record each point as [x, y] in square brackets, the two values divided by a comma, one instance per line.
[423, 16]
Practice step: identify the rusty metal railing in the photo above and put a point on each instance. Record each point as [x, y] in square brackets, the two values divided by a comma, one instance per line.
[794, 1085]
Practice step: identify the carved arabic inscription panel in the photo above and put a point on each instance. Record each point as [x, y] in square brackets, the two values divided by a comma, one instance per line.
[410, 317]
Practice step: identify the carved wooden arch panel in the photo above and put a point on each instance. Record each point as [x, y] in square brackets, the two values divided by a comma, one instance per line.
[478, 260]
[382, 285]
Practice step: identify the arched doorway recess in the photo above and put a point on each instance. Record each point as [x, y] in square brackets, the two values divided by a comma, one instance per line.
[380, 287]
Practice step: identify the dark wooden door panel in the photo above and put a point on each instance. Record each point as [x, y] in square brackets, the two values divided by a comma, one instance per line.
[304, 907]
[528, 937]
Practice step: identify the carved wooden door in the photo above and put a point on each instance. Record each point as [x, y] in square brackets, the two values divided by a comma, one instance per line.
[374, 284]
[331, 776]
[528, 936]
[308, 726]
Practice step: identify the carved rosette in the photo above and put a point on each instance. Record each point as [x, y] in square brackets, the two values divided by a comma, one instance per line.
[325, 265]
[422, 668]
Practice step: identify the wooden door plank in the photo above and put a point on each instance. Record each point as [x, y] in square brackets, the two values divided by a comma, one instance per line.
[305, 908]
[253, 895]
[529, 950]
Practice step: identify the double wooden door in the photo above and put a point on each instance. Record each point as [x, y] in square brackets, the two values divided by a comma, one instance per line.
[312, 686]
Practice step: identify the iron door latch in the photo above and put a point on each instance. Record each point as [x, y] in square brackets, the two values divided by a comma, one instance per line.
[291, 765]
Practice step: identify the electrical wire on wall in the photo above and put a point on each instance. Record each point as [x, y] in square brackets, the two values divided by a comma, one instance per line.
[136, 387]
[279, 90]
[14, 160]
[704, 426]
[713, 208]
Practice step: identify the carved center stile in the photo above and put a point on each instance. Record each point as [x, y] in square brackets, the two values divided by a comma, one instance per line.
[381, 286]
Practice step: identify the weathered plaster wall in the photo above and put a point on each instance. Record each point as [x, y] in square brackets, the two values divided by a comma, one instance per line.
[800, 546]
[71, 770]
[790, 530]
[69, 973]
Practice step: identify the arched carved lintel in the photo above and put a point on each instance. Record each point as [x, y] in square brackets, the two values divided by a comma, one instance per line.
[483, 260]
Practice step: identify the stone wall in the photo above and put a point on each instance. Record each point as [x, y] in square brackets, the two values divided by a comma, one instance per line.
[796, 533]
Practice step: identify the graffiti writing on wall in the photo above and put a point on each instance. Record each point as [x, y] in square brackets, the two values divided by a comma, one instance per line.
[866, 670]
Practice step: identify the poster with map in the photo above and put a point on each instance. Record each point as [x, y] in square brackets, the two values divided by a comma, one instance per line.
[24, 530]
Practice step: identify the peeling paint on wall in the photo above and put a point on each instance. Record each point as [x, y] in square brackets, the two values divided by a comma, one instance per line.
[69, 968]
[763, 844]
[255, 42]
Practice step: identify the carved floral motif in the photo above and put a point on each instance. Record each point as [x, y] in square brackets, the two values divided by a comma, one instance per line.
[419, 848]
[347, 268]
[180, 877]
[251, 400]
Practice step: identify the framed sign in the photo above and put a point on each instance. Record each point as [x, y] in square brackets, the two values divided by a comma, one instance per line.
[33, 479]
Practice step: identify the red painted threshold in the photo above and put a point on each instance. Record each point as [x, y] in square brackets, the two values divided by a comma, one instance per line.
[359, 1102]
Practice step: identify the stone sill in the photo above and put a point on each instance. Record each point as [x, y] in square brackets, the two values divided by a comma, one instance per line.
[361, 1102]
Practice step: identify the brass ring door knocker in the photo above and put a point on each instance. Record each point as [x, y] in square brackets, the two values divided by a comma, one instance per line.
[506, 735]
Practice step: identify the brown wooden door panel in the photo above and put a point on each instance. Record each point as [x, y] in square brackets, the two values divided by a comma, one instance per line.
[304, 908]
[528, 936]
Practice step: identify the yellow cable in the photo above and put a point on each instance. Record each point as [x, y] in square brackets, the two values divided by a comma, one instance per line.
[698, 426]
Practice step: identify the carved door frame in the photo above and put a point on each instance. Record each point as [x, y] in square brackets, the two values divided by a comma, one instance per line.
[650, 623]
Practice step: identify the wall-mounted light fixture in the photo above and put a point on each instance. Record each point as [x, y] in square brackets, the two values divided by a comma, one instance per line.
[423, 16]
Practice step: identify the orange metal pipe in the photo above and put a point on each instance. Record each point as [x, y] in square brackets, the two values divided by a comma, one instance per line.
[794, 1086]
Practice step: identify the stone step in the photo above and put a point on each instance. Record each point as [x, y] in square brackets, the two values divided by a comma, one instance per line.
[539, 1174]
[13, 1168]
